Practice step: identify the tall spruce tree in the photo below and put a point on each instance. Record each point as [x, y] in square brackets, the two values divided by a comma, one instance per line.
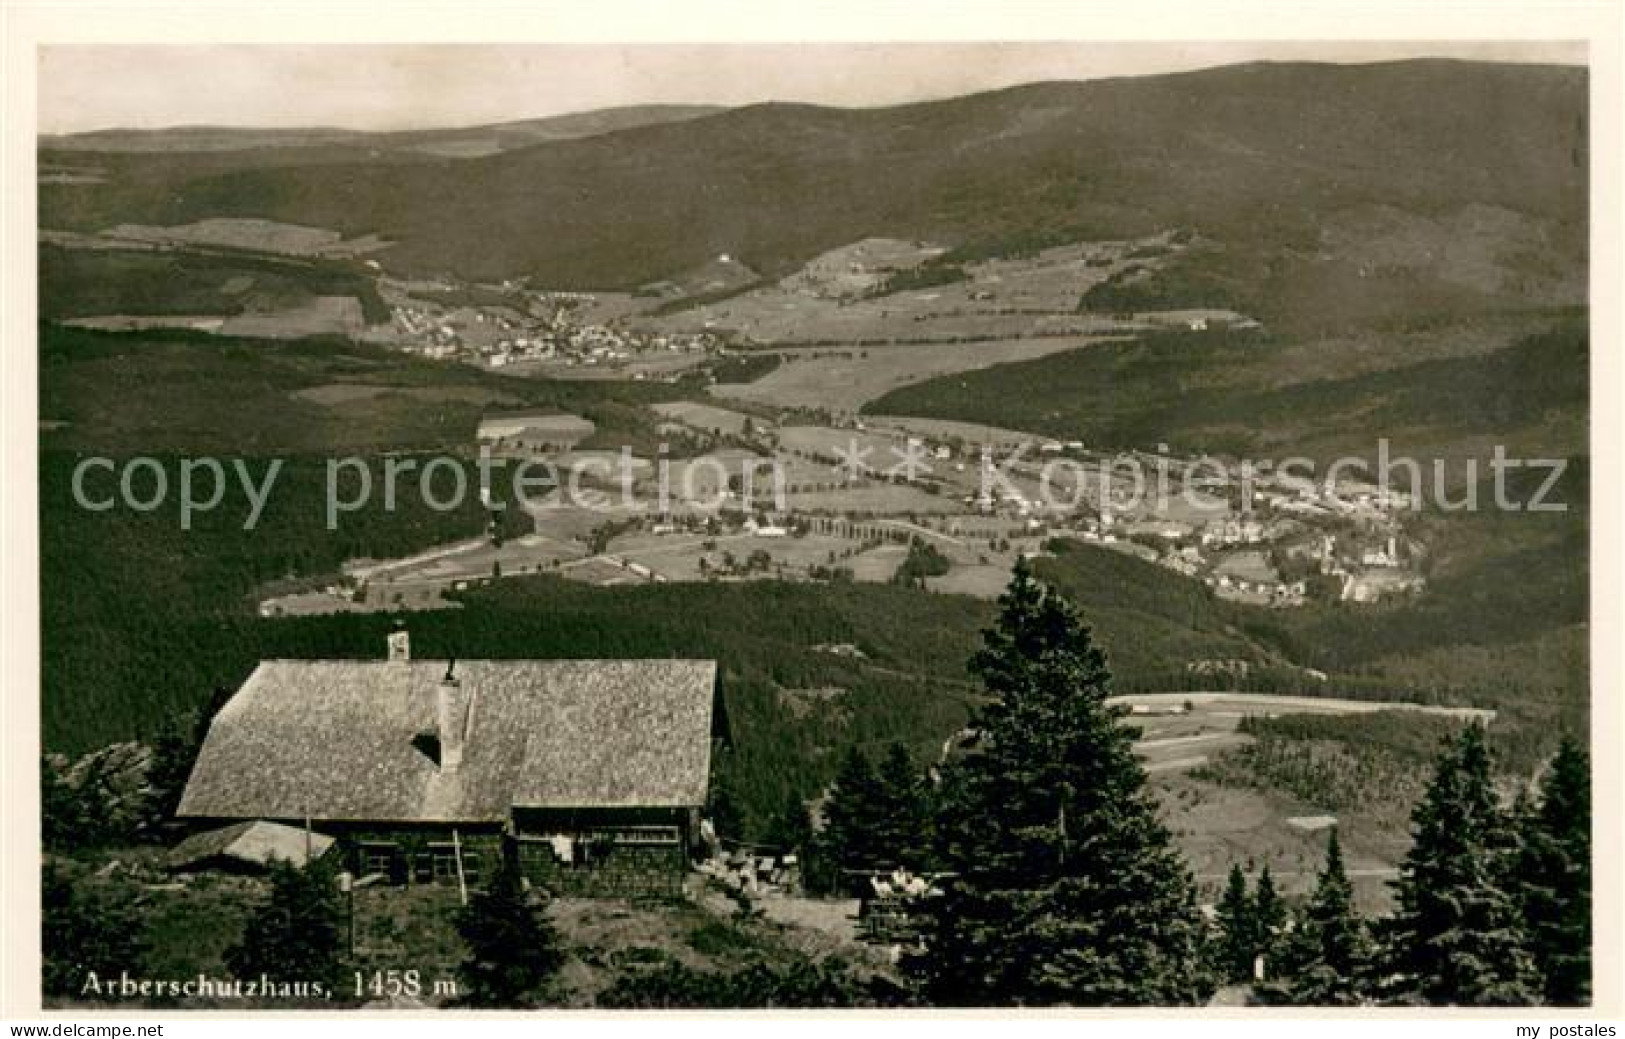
[296, 935]
[1330, 950]
[722, 806]
[901, 821]
[1554, 877]
[853, 816]
[1065, 887]
[1458, 936]
[1269, 921]
[173, 754]
[1237, 930]
[175, 751]
[513, 949]
[790, 831]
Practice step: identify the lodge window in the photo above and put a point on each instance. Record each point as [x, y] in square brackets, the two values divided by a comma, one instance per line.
[378, 857]
[444, 862]
[439, 865]
[635, 835]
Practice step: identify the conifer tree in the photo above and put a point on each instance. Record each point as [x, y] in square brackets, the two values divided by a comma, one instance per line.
[1237, 936]
[901, 822]
[1269, 924]
[790, 830]
[173, 754]
[1330, 950]
[513, 949]
[85, 929]
[297, 934]
[1065, 886]
[852, 815]
[1554, 877]
[66, 821]
[722, 807]
[1458, 936]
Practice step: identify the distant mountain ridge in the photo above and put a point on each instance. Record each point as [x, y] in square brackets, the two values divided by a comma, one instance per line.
[1262, 158]
[483, 139]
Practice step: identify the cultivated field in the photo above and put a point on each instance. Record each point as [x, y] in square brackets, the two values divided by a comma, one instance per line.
[139, 322]
[884, 291]
[978, 580]
[704, 417]
[874, 499]
[345, 394]
[266, 236]
[947, 429]
[651, 366]
[842, 380]
[1248, 566]
[322, 316]
[854, 270]
[878, 564]
[830, 442]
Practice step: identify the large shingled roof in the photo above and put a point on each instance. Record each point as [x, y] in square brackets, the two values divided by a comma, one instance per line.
[342, 740]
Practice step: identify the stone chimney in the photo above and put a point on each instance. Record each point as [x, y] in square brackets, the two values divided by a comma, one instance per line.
[451, 719]
[400, 645]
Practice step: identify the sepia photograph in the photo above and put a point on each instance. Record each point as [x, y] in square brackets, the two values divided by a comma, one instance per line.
[901, 525]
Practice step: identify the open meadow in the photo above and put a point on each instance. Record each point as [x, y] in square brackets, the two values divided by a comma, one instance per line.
[841, 380]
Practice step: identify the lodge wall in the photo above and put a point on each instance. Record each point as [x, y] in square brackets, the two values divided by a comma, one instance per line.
[420, 853]
[636, 853]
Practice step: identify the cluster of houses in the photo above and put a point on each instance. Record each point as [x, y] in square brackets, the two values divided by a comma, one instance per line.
[544, 327]
[1275, 593]
[1291, 494]
[592, 345]
[1225, 552]
[1380, 572]
[599, 345]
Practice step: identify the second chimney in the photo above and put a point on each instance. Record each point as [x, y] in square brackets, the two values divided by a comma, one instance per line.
[451, 719]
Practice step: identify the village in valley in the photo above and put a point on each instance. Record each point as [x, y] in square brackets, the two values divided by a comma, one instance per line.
[808, 517]
[796, 490]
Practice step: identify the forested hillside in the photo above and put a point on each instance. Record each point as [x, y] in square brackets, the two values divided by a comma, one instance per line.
[1283, 164]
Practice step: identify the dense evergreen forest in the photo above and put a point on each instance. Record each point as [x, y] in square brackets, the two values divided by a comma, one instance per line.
[1250, 393]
